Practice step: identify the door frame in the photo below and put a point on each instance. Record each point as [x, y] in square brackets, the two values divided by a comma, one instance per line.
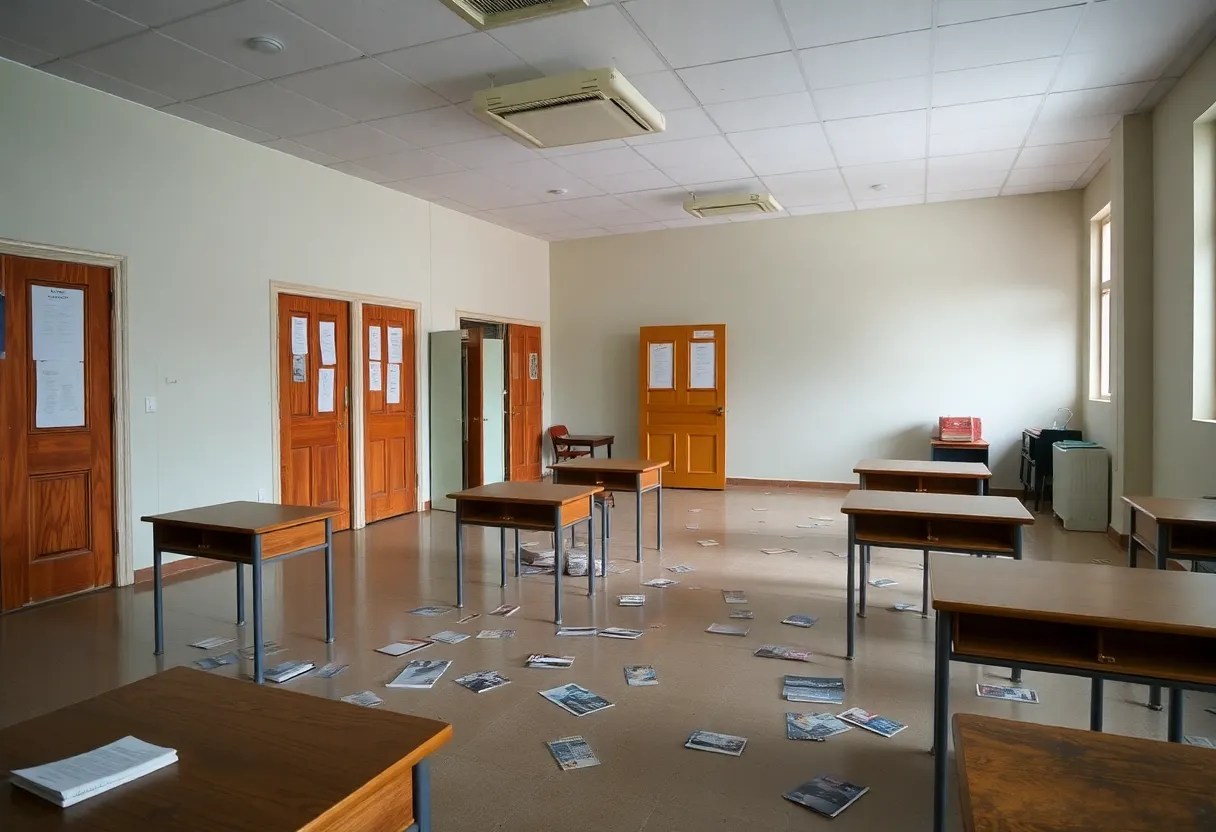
[358, 500]
[120, 416]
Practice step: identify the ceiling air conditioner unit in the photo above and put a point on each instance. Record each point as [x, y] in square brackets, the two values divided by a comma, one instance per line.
[588, 106]
[486, 14]
[722, 204]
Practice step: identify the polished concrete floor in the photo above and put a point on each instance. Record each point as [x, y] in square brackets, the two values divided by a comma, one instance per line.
[497, 774]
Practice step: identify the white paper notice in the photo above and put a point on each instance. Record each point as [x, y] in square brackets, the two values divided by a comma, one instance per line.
[702, 333]
[661, 365]
[393, 394]
[59, 396]
[299, 336]
[373, 343]
[57, 318]
[395, 334]
[374, 382]
[329, 346]
[325, 390]
[701, 366]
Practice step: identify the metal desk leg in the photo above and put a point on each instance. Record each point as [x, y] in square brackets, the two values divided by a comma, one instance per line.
[591, 547]
[604, 514]
[258, 647]
[1015, 672]
[559, 543]
[518, 557]
[592, 449]
[158, 601]
[850, 624]
[1095, 704]
[924, 588]
[329, 580]
[1131, 537]
[459, 559]
[658, 507]
[1163, 553]
[610, 450]
[502, 555]
[422, 795]
[865, 580]
[941, 719]
[1174, 733]
[638, 494]
[240, 594]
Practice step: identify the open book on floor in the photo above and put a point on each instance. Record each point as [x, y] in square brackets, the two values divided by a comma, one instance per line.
[815, 727]
[880, 725]
[420, 674]
[829, 796]
[483, 680]
[717, 743]
[576, 699]
[827, 690]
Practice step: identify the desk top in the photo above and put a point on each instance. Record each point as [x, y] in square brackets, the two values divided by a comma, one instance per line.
[588, 438]
[1176, 509]
[251, 758]
[1039, 778]
[945, 443]
[628, 466]
[954, 506]
[246, 517]
[961, 470]
[536, 493]
[1079, 593]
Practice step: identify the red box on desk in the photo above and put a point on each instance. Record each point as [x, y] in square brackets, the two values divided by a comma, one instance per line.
[960, 428]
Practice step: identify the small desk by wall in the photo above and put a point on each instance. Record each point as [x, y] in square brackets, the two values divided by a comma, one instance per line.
[588, 441]
[943, 451]
[638, 476]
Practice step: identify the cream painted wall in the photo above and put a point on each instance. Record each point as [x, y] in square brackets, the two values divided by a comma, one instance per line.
[848, 334]
[207, 222]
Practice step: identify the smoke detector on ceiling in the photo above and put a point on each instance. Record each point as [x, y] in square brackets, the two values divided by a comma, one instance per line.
[265, 45]
[486, 14]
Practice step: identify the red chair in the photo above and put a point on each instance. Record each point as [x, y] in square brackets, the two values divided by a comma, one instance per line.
[562, 451]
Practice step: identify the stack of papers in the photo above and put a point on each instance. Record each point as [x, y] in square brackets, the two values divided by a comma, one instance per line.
[814, 727]
[212, 662]
[400, 648]
[420, 674]
[800, 620]
[496, 634]
[746, 615]
[366, 699]
[544, 660]
[726, 630]
[212, 643]
[287, 670]
[734, 596]
[773, 651]
[717, 743]
[620, 632]
[576, 631]
[660, 583]
[680, 568]
[813, 689]
[483, 680]
[640, 675]
[576, 699]
[880, 725]
[631, 600]
[67, 782]
[505, 610]
[450, 637]
[572, 753]
[430, 611]
[829, 796]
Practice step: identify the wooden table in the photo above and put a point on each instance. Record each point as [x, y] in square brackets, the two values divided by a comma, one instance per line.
[250, 759]
[243, 533]
[942, 451]
[588, 441]
[634, 475]
[920, 476]
[537, 506]
[965, 523]
[1077, 619]
[1018, 775]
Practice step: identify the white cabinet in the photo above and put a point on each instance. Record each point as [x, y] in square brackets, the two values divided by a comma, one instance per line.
[1080, 486]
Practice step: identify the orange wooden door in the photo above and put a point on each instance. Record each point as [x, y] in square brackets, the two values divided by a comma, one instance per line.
[314, 404]
[525, 391]
[56, 432]
[474, 445]
[390, 412]
[682, 396]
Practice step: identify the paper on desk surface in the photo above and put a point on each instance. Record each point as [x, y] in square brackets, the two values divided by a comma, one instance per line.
[83, 773]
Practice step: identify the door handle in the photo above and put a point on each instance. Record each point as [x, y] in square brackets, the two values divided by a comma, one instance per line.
[721, 410]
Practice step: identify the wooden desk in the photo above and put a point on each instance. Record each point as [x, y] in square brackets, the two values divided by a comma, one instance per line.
[588, 441]
[250, 759]
[1039, 778]
[243, 533]
[965, 523]
[1075, 619]
[537, 506]
[634, 475]
[975, 452]
[921, 476]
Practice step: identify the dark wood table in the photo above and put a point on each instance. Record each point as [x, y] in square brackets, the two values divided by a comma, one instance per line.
[1040, 778]
[638, 476]
[250, 759]
[537, 506]
[1076, 619]
[243, 533]
[588, 441]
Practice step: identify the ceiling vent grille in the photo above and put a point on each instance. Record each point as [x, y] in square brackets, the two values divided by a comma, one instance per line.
[485, 14]
[722, 205]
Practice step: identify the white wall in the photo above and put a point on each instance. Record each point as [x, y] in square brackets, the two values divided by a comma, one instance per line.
[848, 334]
[207, 222]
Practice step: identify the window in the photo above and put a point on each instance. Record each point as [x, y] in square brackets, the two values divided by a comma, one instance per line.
[1104, 308]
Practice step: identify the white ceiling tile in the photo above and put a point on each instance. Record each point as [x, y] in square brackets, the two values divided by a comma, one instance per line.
[375, 26]
[1073, 153]
[751, 185]
[272, 109]
[637, 228]
[1096, 102]
[299, 150]
[364, 89]
[863, 61]
[546, 218]
[697, 172]
[416, 187]
[536, 178]
[442, 125]
[874, 98]
[22, 54]
[758, 217]
[822, 187]
[747, 78]
[215, 122]
[666, 204]
[473, 189]
[1144, 61]
[820, 22]
[965, 11]
[581, 40]
[223, 33]
[353, 142]
[73, 71]
[970, 171]
[579, 149]
[696, 32]
[1060, 131]
[1045, 175]
[695, 222]
[485, 153]
[889, 202]
[444, 202]
[410, 164]
[829, 208]
[155, 62]
[954, 196]
[159, 12]
[710, 148]
[1045, 187]
[1007, 112]
[458, 67]
[976, 141]
[62, 27]
[966, 86]
[578, 234]
[1113, 23]
[1001, 40]
[357, 170]
[900, 179]
[760, 113]
[681, 124]
[623, 183]
[778, 150]
[888, 138]
[604, 162]
[603, 210]
[664, 90]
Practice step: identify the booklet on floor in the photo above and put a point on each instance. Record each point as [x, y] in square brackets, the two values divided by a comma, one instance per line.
[826, 690]
[571, 753]
[880, 725]
[827, 795]
[420, 674]
[815, 727]
[576, 699]
[717, 743]
[483, 680]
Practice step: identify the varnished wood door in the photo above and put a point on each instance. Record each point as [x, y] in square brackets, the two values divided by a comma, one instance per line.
[682, 396]
[524, 389]
[474, 447]
[314, 404]
[56, 431]
[390, 412]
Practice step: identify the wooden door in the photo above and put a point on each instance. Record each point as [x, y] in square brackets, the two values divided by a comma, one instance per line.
[524, 389]
[56, 431]
[314, 404]
[682, 396]
[390, 412]
[474, 450]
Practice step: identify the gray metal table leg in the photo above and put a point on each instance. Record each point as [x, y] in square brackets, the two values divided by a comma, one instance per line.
[1095, 704]
[559, 566]
[158, 601]
[604, 514]
[240, 594]
[941, 719]
[865, 580]
[422, 795]
[459, 559]
[1163, 553]
[1174, 732]
[329, 580]
[591, 547]
[258, 647]
[518, 556]
[1131, 538]
[850, 624]
[502, 555]
[639, 513]
[924, 588]
[1015, 673]
[658, 503]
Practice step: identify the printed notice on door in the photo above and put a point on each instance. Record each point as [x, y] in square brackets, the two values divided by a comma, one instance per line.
[374, 382]
[299, 336]
[329, 345]
[393, 394]
[57, 321]
[395, 335]
[533, 366]
[325, 390]
[59, 394]
[701, 366]
[299, 369]
[661, 365]
[373, 343]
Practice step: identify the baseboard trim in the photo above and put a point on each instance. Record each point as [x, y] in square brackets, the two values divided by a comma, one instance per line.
[177, 567]
[825, 486]
[426, 506]
[1119, 541]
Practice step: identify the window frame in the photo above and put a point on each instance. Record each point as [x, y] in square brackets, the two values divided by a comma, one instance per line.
[1102, 308]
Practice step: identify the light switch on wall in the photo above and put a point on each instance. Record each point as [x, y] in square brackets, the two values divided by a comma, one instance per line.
[149, 404]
